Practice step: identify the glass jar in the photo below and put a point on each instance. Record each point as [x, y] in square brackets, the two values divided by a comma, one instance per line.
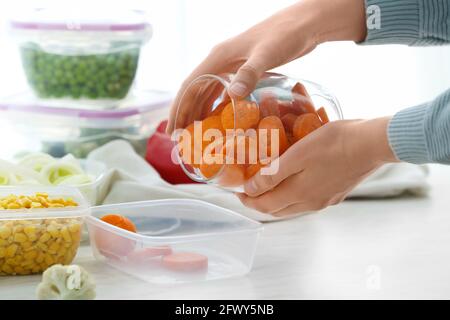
[224, 142]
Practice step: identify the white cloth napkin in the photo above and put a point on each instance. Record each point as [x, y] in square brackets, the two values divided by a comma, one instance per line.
[131, 178]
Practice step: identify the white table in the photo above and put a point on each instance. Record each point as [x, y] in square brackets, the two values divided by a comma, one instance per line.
[397, 248]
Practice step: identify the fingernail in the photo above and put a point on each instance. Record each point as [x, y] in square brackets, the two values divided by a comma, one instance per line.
[238, 89]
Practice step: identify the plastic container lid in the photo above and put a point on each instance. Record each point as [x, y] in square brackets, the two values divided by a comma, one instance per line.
[140, 103]
[80, 20]
[64, 25]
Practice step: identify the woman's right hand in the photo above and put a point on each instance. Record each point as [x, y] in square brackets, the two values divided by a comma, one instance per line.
[283, 37]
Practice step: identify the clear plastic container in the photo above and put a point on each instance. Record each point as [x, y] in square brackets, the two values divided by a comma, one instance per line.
[94, 191]
[247, 135]
[37, 127]
[31, 240]
[81, 54]
[165, 227]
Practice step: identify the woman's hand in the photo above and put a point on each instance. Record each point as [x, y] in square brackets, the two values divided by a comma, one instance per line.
[322, 168]
[285, 36]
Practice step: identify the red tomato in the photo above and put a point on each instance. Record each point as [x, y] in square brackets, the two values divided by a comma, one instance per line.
[159, 149]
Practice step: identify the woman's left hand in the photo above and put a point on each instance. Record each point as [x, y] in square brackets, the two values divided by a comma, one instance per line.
[321, 169]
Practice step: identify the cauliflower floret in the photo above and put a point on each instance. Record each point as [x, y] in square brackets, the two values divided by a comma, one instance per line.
[66, 283]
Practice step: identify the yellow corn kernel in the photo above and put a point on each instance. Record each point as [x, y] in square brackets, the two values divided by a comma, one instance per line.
[62, 251]
[66, 234]
[30, 231]
[27, 246]
[45, 237]
[11, 250]
[40, 257]
[18, 228]
[5, 232]
[36, 205]
[3, 243]
[20, 237]
[17, 260]
[53, 248]
[36, 269]
[11, 262]
[25, 202]
[2, 252]
[31, 255]
[53, 230]
[42, 246]
[18, 269]
[27, 263]
[49, 260]
[13, 206]
[75, 227]
[7, 269]
[42, 194]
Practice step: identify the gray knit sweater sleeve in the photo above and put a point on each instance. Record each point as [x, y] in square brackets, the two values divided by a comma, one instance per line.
[419, 134]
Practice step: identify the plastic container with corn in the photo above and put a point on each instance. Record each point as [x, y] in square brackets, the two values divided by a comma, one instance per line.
[39, 227]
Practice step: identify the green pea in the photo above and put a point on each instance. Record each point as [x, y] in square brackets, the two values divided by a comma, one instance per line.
[108, 75]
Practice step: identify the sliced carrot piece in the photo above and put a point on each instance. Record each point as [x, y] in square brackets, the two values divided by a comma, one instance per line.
[119, 221]
[305, 124]
[247, 115]
[301, 99]
[218, 110]
[268, 104]
[288, 121]
[146, 254]
[210, 170]
[272, 123]
[323, 115]
[185, 261]
[300, 89]
[286, 107]
[303, 104]
[245, 149]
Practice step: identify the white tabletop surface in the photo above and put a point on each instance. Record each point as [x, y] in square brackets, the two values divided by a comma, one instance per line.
[396, 248]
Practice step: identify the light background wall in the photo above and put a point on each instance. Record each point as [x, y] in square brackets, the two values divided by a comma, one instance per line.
[368, 81]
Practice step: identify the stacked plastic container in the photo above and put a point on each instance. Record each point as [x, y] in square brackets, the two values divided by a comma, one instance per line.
[81, 67]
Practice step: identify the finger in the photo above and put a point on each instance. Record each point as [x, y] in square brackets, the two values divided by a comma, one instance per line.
[287, 193]
[295, 209]
[281, 168]
[213, 64]
[244, 82]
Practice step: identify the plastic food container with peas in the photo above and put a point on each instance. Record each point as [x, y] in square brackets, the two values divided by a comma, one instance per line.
[39, 227]
[81, 55]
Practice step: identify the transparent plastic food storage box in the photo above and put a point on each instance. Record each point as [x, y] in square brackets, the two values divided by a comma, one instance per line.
[89, 55]
[36, 237]
[38, 127]
[176, 241]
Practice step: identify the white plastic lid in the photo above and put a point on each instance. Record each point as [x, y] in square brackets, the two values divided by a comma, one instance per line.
[140, 102]
[81, 20]
[78, 20]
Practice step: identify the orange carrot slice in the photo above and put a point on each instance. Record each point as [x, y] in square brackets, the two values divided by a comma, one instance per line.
[269, 124]
[288, 121]
[247, 115]
[185, 261]
[305, 124]
[268, 104]
[323, 115]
